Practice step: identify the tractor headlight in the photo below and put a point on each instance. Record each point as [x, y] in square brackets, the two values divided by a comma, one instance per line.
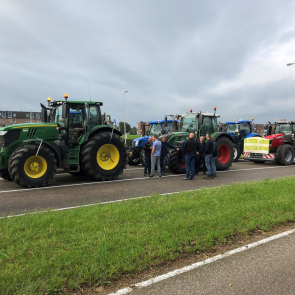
[3, 132]
[136, 143]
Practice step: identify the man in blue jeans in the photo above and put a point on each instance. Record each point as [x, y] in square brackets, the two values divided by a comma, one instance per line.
[155, 156]
[208, 157]
[190, 150]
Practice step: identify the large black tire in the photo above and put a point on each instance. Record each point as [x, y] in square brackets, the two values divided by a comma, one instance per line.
[5, 175]
[176, 162]
[237, 152]
[103, 159]
[133, 162]
[225, 153]
[285, 155]
[28, 170]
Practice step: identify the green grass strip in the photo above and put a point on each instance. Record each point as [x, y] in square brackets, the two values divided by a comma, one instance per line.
[46, 253]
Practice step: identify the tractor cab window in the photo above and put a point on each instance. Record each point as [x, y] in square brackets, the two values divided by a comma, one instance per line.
[188, 124]
[207, 126]
[283, 128]
[232, 128]
[76, 116]
[214, 124]
[245, 129]
[94, 116]
[57, 116]
[154, 129]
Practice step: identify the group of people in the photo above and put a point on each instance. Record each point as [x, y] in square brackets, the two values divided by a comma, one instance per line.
[194, 152]
[156, 155]
[201, 152]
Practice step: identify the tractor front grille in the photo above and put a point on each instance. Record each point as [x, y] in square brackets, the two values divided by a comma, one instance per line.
[9, 137]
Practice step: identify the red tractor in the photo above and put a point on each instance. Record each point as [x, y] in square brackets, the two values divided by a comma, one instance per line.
[280, 144]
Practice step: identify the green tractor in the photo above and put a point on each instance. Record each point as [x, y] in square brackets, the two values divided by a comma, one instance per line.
[200, 124]
[75, 138]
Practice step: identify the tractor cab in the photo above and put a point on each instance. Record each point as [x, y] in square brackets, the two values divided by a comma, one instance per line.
[198, 123]
[239, 130]
[283, 133]
[75, 118]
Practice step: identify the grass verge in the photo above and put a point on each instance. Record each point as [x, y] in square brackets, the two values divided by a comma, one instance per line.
[54, 251]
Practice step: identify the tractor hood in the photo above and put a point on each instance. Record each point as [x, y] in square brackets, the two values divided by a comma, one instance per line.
[275, 136]
[27, 125]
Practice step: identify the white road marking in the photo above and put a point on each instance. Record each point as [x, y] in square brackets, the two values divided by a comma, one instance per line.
[199, 264]
[132, 179]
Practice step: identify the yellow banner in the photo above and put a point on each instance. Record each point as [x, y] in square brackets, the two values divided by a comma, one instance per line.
[256, 145]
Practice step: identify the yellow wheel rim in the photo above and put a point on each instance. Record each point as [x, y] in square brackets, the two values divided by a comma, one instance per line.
[108, 157]
[35, 167]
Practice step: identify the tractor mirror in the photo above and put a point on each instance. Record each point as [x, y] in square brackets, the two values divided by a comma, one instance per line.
[44, 115]
[165, 122]
[64, 113]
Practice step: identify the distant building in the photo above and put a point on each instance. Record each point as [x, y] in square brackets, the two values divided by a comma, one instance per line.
[13, 117]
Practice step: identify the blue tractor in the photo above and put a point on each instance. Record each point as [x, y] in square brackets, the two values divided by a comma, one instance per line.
[239, 130]
[154, 127]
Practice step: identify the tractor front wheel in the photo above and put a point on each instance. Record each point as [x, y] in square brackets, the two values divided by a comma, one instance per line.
[176, 161]
[103, 157]
[225, 153]
[29, 169]
[237, 153]
[285, 155]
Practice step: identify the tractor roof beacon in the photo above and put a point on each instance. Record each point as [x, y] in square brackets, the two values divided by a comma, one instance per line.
[280, 144]
[200, 124]
[239, 130]
[74, 137]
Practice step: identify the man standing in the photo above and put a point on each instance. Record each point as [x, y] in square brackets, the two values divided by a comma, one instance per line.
[190, 149]
[164, 147]
[208, 157]
[147, 152]
[155, 156]
[201, 155]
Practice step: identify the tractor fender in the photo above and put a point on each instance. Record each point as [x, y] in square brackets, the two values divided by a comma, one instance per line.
[219, 134]
[55, 149]
[103, 128]
[253, 135]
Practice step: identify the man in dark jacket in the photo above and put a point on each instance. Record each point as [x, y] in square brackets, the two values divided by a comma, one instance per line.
[164, 147]
[201, 155]
[147, 150]
[190, 149]
[208, 157]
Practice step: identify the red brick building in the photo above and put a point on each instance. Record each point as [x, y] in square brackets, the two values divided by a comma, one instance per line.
[13, 117]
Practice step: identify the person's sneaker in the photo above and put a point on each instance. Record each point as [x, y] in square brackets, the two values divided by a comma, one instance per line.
[185, 179]
[192, 179]
[215, 175]
[207, 177]
[160, 176]
[151, 176]
[145, 175]
[164, 174]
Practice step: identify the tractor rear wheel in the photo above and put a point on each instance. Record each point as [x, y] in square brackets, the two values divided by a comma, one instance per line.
[5, 175]
[176, 162]
[237, 153]
[225, 153]
[285, 155]
[29, 170]
[103, 158]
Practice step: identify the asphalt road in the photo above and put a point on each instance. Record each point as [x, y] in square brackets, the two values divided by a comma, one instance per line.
[68, 191]
[265, 269]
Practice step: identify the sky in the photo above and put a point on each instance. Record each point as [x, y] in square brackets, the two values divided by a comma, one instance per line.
[171, 56]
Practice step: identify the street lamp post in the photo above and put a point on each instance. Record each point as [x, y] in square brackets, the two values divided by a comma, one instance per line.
[125, 117]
